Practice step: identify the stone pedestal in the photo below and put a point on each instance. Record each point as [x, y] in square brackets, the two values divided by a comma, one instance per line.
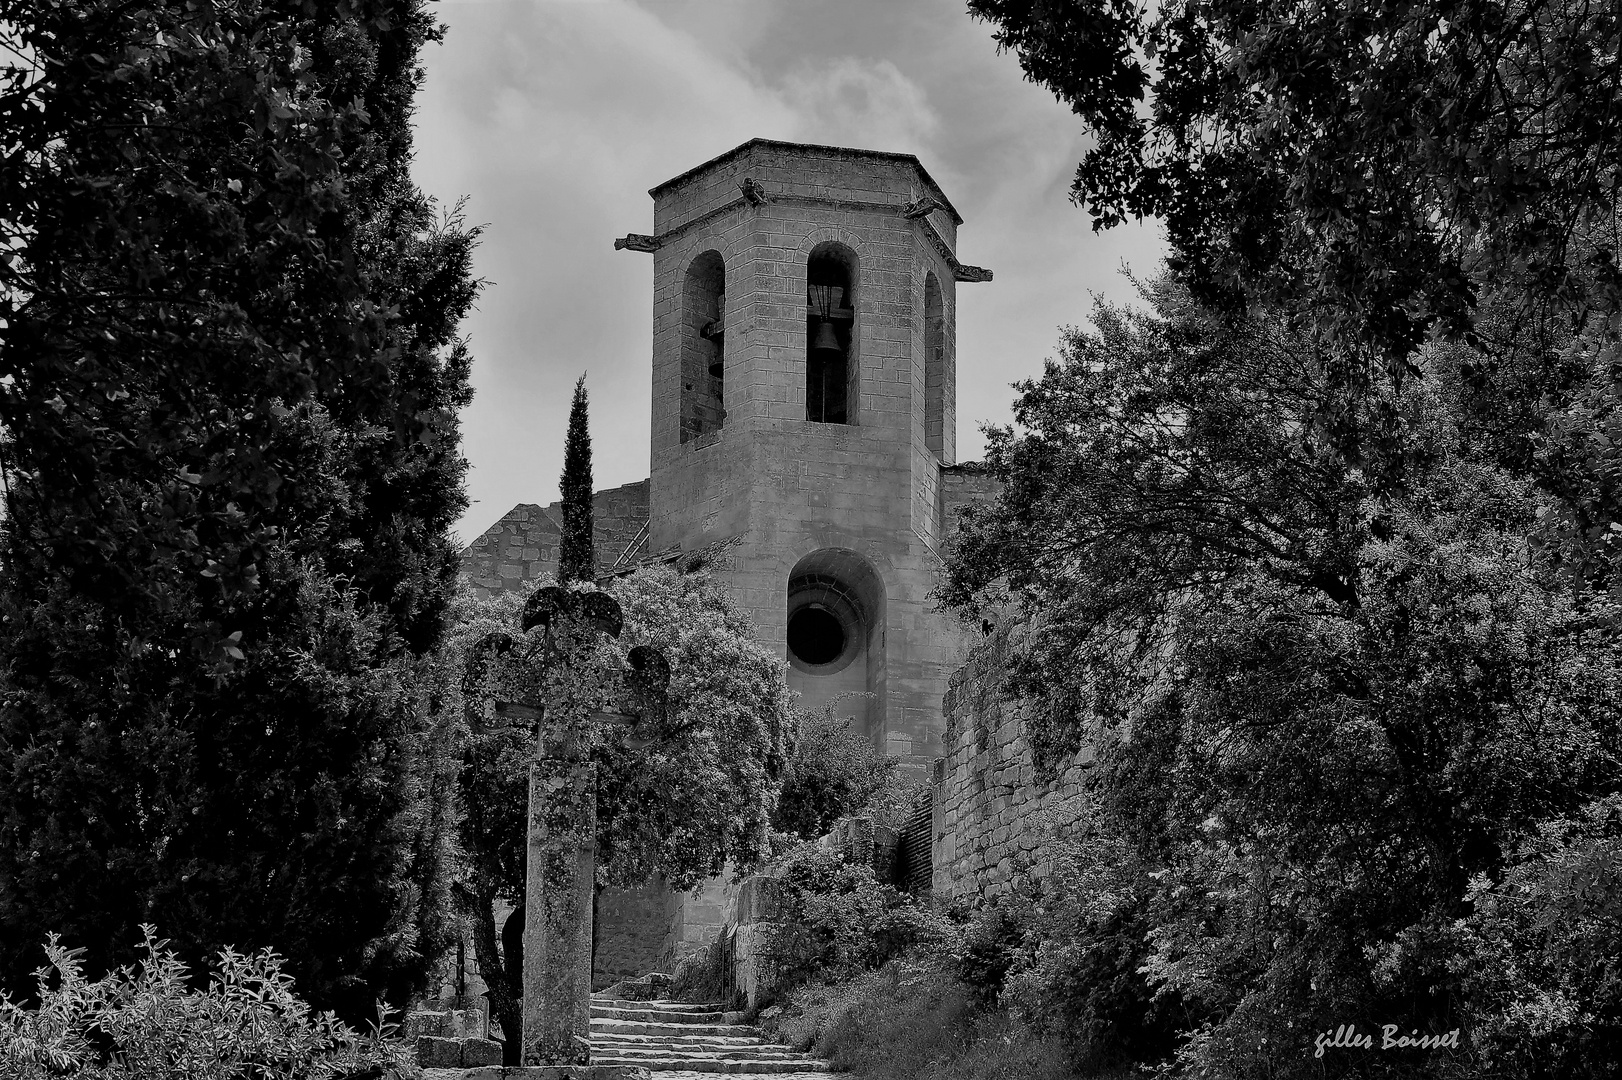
[559, 875]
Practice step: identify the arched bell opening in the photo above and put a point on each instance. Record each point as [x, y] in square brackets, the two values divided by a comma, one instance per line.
[835, 634]
[934, 367]
[830, 334]
[703, 346]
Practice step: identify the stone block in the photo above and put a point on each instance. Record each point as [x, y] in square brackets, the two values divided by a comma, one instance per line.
[434, 1052]
[477, 1052]
[425, 1022]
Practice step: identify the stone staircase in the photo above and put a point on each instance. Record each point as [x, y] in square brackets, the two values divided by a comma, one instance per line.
[676, 1041]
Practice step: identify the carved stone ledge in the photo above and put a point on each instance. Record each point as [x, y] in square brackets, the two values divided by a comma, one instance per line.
[963, 272]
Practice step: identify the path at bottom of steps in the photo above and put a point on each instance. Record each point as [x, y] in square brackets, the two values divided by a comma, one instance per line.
[675, 1040]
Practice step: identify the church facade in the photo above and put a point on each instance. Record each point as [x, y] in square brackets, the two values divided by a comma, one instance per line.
[802, 443]
[803, 425]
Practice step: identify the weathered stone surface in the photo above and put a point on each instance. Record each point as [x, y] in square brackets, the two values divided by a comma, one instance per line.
[991, 815]
[476, 1052]
[559, 875]
[435, 1052]
[559, 1072]
[523, 546]
[428, 1022]
[655, 984]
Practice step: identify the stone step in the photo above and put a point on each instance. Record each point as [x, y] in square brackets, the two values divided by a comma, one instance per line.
[700, 1065]
[609, 1026]
[662, 1005]
[683, 1074]
[712, 1042]
[656, 1016]
[741, 1053]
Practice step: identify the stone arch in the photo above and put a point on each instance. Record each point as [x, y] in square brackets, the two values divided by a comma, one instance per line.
[833, 310]
[703, 345]
[835, 635]
[934, 366]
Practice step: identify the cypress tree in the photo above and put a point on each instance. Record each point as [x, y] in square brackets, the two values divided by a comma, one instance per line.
[229, 384]
[577, 558]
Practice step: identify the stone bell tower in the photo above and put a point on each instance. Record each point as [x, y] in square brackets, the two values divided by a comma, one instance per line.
[804, 411]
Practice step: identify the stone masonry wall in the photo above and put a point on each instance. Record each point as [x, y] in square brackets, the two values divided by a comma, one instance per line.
[990, 811]
[963, 485]
[632, 927]
[523, 545]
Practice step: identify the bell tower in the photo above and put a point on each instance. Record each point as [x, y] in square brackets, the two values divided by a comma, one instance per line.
[804, 409]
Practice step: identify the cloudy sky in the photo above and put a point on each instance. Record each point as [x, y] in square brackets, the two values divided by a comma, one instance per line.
[555, 117]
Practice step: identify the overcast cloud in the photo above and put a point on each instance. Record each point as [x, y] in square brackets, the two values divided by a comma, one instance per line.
[555, 117]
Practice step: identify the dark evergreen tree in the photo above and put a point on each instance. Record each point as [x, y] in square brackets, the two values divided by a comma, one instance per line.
[577, 557]
[229, 383]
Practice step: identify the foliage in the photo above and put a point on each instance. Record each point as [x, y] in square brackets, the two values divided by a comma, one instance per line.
[1539, 959]
[492, 799]
[1072, 950]
[577, 560]
[1378, 166]
[1159, 460]
[682, 808]
[832, 772]
[911, 1020]
[1321, 710]
[229, 382]
[838, 919]
[687, 807]
[135, 1024]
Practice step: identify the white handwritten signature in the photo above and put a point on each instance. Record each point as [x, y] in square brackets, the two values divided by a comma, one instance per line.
[1347, 1035]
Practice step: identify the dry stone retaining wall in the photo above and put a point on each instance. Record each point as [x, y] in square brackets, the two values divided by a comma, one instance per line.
[991, 812]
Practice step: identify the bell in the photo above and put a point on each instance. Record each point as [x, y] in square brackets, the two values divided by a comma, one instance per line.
[826, 340]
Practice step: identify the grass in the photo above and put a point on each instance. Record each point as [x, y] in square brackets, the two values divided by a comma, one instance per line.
[911, 1021]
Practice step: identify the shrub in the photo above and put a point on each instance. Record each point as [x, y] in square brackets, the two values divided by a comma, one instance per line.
[833, 772]
[148, 1023]
[991, 947]
[914, 1020]
[838, 919]
[704, 976]
[1064, 954]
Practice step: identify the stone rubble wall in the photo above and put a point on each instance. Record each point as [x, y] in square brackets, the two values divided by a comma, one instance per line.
[991, 812]
[523, 545]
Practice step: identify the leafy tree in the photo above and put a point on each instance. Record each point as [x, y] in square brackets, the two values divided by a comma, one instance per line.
[1321, 710]
[229, 381]
[682, 808]
[577, 559]
[1381, 172]
[1163, 459]
[1379, 166]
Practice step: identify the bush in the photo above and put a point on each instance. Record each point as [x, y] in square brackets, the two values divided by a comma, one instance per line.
[838, 920]
[1536, 968]
[142, 1025]
[1064, 955]
[704, 976]
[833, 772]
[914, 1020]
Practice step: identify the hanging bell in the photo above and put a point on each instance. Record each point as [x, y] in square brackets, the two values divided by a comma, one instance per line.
[826, 340]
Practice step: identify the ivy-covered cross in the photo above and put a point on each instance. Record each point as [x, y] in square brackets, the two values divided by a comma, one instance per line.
[555, 675]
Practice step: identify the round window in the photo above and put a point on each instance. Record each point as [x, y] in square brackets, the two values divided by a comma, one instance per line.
[815, 636]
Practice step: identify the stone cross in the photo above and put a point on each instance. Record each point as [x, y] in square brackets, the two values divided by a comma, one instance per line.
[552, 682]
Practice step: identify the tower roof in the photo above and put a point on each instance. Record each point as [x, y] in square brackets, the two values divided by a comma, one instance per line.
[813, 149]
